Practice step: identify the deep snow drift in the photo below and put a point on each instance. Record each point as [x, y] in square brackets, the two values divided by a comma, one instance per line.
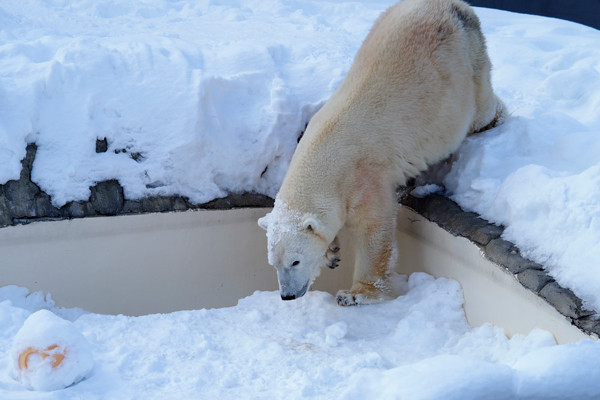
[202, 98]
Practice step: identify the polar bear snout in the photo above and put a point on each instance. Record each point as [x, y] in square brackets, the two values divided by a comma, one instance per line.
[293, 296]
[291, 286]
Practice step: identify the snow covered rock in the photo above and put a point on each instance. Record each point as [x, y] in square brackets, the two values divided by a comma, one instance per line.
[49, 353]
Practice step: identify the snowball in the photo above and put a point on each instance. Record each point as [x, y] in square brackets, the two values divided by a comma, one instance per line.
[335, 332]
[49, 353]
[426, 190]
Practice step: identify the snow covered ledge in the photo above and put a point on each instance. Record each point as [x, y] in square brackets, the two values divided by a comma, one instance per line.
[152, 263]
[492, 292]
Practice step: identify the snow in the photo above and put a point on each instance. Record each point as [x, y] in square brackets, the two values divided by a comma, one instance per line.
[49, 353]
[426, 190]
[204, 98]
[418, 346]
[282, 219]
[538, 174]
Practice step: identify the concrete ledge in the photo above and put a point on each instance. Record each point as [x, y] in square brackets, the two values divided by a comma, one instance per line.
[487, 237]
[491, 294]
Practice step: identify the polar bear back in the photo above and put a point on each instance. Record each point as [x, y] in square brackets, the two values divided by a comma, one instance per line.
[419, 83]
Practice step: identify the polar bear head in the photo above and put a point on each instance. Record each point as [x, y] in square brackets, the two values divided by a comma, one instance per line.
[296, 248]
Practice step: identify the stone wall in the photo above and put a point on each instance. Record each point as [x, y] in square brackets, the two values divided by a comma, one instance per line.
[22, 201]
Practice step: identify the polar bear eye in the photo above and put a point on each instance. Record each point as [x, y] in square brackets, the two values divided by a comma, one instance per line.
[295, 263]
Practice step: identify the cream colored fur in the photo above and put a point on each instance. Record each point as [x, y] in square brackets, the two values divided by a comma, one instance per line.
[419, 84]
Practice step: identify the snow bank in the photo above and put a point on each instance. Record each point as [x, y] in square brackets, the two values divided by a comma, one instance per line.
[539, 173]
[194, 98]
[418, 346]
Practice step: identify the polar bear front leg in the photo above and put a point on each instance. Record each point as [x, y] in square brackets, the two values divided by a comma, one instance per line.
[374, 255]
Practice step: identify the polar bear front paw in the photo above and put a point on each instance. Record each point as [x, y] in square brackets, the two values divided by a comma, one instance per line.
[332, 255]
[333, 262]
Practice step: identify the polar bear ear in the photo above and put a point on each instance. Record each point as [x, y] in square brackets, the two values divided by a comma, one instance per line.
[311, 224]
[263, 222]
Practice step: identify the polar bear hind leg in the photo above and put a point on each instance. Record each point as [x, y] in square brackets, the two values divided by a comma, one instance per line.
[490, 109]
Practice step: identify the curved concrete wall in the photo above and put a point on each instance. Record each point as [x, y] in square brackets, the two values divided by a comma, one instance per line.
[140, 264]
[166, 262]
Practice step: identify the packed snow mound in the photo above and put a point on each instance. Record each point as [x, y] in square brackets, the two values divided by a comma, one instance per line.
[49, 353]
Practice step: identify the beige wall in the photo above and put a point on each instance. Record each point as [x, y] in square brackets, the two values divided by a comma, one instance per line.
[144, 263]
[158, 263]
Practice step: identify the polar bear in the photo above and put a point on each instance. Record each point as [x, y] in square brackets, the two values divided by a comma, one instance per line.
[419, 84]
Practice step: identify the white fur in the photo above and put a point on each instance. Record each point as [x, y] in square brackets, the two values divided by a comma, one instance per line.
[419, 83]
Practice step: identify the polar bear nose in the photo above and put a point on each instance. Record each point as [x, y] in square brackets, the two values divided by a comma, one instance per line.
[290, 297]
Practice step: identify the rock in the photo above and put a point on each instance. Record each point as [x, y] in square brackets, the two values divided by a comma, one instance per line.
[534, 279]
[107, 197]
[506, 254]
[44, 207]
[564, 300]
[179, 204]
[78, 209]
[239, 200]
[27, 162]
[156, 204]
[5, 216]
[485, 233]
[589, 324]
[20, 198]
[132, 207]
[451, 217]
[101, 145]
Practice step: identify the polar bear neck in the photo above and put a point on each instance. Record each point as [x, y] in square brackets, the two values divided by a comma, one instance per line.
[315, 182]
